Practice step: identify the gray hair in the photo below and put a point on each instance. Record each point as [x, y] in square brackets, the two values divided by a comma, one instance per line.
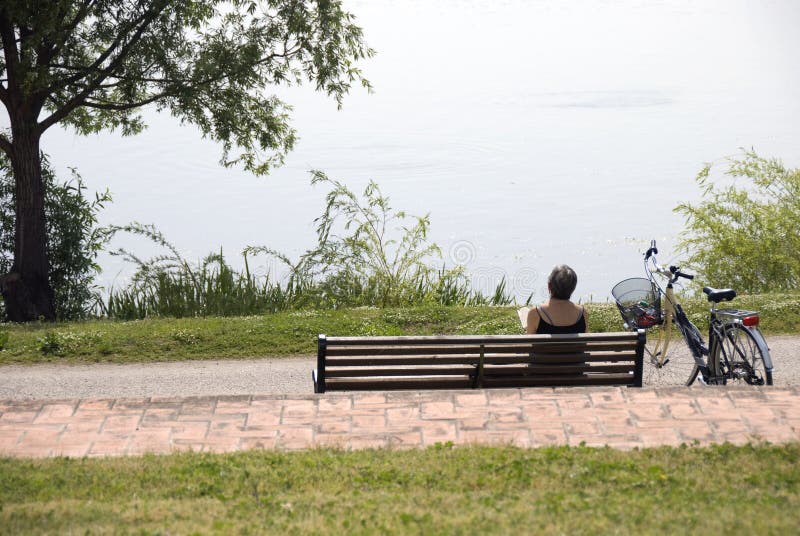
[562, 282]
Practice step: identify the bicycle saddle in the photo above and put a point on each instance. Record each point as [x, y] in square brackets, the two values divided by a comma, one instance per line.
[717, 295]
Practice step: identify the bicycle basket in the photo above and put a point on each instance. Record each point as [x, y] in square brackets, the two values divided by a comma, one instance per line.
[639, 302]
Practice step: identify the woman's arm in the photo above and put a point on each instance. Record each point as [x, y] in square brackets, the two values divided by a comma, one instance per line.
[533, 321]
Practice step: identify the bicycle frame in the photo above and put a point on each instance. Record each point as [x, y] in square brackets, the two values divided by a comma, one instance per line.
[662, 344]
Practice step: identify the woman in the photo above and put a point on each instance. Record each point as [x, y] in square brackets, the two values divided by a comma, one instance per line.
[558, 314]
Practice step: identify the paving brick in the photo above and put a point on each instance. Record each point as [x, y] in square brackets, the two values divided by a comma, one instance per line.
[510, 415]
[503, 396]
[151, 441]
[335, 406]
[123, 404]
[332, 440]
[338, 426]
[519, 438]
[156, 415]
[438, 410]
[360, 401]
[95, 404]
[412, 439]
[194, 431]
[438, 432]
[222, 444]
[582, 428]
[295, 438]
[607, 396]
[21, 416]
[264, 418]
[368, 422]
[570, 405]
[471, 399]
[70, 451]
[548, 437]
[654, 437]
[127, 423]
[682, 410]
[535, 409]
[370, 441]
[403, 413]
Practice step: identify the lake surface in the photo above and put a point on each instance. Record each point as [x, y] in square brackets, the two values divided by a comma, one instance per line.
[534, 133]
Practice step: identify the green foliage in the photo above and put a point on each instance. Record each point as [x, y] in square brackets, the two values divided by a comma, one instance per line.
[169, 285]
[744, 232]
[367, 255]
[211, 63]
[74, 238]
[438, 490]
[3, 340]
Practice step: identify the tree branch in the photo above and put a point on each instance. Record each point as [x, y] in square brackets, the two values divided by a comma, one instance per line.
[104, 73]
[144, 19]
[119, 107]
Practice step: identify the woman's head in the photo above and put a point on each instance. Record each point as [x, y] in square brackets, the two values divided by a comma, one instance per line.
[562, 282]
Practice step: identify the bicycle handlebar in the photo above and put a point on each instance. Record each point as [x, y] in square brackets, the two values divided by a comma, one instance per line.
[673, 272]
[652, 251]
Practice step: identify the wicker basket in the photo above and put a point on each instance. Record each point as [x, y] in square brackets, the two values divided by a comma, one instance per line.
[639, 302]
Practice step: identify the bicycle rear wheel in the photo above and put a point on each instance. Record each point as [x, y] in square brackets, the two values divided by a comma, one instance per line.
[668, 360]
[745, 359]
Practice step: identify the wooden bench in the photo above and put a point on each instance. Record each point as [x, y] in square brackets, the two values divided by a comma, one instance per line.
[478, 361]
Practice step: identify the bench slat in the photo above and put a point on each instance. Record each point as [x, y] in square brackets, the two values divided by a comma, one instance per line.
[379, 384]
[378, 361]
[475, 348]
[477, 339]
[467, 371]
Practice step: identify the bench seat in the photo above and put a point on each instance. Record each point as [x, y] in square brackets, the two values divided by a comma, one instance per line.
[478, 361]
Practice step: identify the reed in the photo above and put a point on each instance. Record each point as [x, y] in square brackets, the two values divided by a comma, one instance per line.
[366, 255]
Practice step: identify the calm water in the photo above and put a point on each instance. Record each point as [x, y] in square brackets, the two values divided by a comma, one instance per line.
[533, 132]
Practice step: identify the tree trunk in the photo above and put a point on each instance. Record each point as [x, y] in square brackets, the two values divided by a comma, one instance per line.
[26, 289]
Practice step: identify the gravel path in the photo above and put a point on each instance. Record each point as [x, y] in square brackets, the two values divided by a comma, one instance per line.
[229, 377]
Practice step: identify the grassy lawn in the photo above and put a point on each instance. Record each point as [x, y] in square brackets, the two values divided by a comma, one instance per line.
[295, 332]
[441, 490]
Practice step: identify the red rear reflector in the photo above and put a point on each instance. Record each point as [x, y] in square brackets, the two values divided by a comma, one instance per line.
[750, 320]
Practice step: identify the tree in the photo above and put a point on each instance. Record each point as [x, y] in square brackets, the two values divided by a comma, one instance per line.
[74, 238]
[744, 232]
[94, 64]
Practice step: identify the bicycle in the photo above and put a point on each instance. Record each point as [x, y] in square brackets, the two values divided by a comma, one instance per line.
[737, 351]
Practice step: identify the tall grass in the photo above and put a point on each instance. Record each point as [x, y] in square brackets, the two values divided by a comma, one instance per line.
[366, 255]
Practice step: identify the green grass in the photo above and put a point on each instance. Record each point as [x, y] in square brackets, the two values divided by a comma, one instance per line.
[294, 332]
[752, 489]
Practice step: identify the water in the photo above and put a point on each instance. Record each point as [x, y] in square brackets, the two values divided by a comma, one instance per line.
[533, 132]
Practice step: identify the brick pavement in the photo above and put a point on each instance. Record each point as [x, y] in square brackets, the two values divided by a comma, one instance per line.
[617, 417]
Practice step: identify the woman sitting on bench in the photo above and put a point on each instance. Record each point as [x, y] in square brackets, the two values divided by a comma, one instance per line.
[558, 314]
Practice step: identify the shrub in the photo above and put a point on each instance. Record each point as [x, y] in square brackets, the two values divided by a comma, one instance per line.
[744, 232]
[73, 238]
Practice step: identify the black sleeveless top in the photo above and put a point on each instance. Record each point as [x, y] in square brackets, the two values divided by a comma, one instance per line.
[547, 328]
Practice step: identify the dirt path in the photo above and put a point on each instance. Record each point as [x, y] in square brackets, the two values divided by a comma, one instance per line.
[229, 377]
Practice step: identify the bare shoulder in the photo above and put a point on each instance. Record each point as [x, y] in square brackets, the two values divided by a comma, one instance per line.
[533, 320]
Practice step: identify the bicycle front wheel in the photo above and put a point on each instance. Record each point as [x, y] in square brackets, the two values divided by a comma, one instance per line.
[742, 358]
[668, 360]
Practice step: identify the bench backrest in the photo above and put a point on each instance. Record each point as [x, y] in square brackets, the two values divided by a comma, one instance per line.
[477, 361]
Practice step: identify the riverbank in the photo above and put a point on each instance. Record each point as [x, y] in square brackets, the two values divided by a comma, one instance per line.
[294, 333]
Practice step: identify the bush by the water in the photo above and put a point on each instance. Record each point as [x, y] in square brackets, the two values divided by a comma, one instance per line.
[74, 238]
[744, 234]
